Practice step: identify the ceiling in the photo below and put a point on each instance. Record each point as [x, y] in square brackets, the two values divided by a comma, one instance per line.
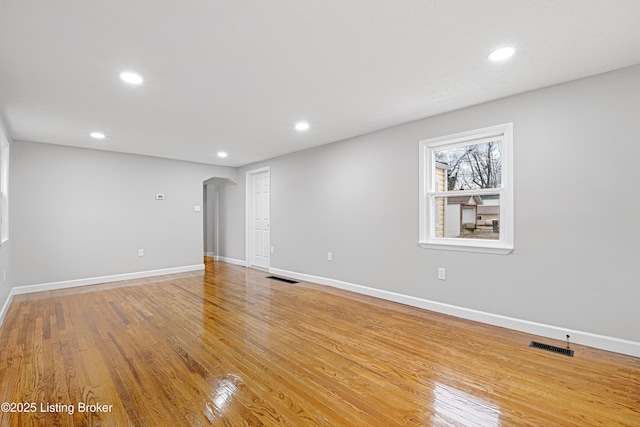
[236, 75]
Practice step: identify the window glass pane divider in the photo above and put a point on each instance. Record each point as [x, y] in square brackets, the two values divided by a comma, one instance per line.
[476, 192]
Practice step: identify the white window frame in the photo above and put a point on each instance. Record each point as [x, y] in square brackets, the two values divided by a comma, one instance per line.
[429, 191]
[4, 188]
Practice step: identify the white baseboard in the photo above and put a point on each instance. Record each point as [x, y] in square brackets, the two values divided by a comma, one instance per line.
[103, 279]
[210, 254]
[5, 307]
[589, 339]
[231, 260]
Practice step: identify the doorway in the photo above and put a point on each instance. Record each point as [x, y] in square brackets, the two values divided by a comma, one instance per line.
[211, 215]
[258, 220]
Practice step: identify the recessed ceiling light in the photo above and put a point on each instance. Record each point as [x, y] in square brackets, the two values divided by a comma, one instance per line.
[222, 154]
[502, 53]
[131, 78]
[302, 126]
[97, 135]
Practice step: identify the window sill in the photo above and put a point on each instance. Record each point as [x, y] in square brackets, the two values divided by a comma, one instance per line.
[462, 247]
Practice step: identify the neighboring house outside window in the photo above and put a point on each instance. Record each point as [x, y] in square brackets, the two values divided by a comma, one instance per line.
[466, 191]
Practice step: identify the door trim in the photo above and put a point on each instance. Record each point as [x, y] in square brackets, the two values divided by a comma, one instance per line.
[248, 201]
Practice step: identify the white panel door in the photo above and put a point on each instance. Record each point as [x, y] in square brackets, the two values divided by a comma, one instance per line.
[260, 220]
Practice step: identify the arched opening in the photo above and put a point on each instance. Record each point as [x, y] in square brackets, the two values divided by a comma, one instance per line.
[211, 215]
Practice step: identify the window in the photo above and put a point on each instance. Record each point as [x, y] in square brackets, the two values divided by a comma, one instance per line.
[466, 191]
[4, 188]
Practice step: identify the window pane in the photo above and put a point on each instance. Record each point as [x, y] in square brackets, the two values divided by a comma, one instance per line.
[468, 217]
[470, 167]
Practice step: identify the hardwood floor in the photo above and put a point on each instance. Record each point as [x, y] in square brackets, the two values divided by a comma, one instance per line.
[230, 347]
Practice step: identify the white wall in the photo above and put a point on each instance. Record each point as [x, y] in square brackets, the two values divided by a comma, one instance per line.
[210, 207]
[81, 213]
[575, 260]
[231, 217]
[214, 232]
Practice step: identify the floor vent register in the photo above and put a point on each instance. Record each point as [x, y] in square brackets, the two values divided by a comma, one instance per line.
[282, 279]
[552, 348]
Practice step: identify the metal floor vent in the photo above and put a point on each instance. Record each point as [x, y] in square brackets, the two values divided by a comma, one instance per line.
[552, 348]
[282, 279]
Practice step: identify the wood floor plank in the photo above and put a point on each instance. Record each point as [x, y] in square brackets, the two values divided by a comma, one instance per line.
[229, 347]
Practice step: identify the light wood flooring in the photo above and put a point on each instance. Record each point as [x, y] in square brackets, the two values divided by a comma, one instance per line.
[229, 347]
